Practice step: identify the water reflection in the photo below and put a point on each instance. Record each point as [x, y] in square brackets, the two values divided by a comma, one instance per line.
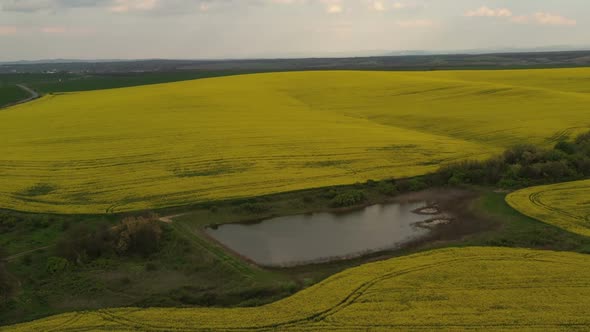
[317, 237]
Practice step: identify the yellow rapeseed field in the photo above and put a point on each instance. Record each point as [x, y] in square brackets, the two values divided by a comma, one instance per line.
[481, 289]
[172, 144]
[566, 205]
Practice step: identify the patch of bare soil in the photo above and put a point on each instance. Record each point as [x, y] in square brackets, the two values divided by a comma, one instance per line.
[170, 219]
[452, 215]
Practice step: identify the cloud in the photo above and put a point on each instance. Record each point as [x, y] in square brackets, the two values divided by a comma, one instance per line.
[334, 9]
[489, 12]
[287, 2]
[333, 6]
[8, 30]
[385, 5]
[553, 19]
[400, 5]
[378, 6]
[542, 18]
[124, 6]
[421, 23]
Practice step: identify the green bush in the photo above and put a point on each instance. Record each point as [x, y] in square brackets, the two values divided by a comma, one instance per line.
[417, 184]
[349, 198]
[56, 265]
[371, 183]
[567, 147]
[330, 193]
[387, 188]
[254, 208]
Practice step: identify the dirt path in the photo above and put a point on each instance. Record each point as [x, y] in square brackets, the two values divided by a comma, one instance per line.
[168, 219]
[33, 93]
[21, 254]
[165, 219]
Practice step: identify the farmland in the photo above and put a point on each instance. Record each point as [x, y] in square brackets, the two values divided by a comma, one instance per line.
[220, 138]
[294, 165]
[74, 82]
[460, 289]
[565, 205]
[245, 148]
[10, 94]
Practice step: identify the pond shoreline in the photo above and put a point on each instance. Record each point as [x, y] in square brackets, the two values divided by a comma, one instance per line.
[451, 205]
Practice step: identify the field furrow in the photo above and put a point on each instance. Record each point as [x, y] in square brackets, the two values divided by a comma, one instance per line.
[179, 143]
[565, 205]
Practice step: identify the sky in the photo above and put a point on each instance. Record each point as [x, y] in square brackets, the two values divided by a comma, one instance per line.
[196, 29]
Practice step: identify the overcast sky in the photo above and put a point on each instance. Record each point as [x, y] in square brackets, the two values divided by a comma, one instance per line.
[131, 29]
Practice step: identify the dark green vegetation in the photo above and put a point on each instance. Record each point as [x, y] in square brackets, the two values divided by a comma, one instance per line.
[524, 166]
[548, 59]
[10, 94]
[69, 82]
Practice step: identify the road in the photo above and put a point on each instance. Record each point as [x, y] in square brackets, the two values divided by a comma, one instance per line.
[33, 95]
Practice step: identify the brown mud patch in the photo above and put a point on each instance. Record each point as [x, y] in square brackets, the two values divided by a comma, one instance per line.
[455, 220]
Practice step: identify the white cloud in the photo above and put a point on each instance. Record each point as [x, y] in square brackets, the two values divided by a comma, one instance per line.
[553, 19]
[378, 6]
[124, 6]
[399, 5]
[334, 9]
[286, 2]
[542, 18]
[333, 6]
[421, 23]
[489, 12]
[387, 5]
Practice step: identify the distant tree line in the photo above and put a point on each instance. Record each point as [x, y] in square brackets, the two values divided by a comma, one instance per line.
[518, 167]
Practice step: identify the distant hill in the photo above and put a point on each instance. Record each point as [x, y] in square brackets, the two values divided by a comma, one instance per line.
[410, 60]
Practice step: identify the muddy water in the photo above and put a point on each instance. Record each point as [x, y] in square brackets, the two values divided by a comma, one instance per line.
[318, 237]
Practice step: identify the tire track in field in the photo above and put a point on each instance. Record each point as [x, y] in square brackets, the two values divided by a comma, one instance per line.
[309, 321]
[535, 198]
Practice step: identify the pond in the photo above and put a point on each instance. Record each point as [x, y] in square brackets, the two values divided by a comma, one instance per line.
[321, 237]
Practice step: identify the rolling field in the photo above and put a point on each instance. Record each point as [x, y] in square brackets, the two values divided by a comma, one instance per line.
[172, 144]
[565, 205]
[452, 289]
